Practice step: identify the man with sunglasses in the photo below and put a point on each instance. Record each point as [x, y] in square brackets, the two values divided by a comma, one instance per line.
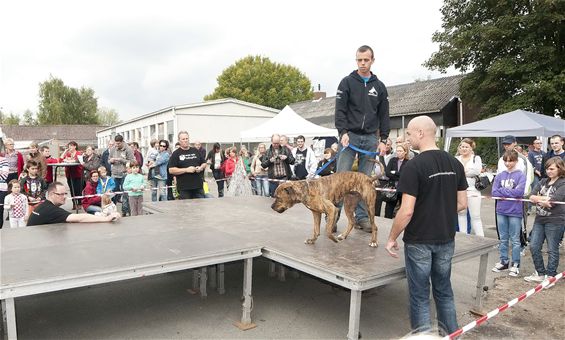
[50, 210]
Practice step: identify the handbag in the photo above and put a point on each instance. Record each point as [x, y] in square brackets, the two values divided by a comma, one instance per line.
[481, 182]
[389, 196]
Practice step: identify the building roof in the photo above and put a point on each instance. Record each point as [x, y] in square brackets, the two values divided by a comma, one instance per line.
[199, 104]
[77, 133]
[420, 97]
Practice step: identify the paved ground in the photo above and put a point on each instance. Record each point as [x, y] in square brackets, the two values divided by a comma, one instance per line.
[163, 307]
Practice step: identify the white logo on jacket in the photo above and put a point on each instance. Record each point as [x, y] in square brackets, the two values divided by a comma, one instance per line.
[373, 92]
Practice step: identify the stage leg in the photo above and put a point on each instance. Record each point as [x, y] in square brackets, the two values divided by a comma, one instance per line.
[203, 282]
[221, 276]
[481, 281]
[9, 319]
[354, 315]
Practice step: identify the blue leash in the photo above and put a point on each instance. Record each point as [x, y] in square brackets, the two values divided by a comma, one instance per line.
[354, 148]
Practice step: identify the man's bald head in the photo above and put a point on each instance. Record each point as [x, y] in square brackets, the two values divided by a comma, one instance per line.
[421, 132]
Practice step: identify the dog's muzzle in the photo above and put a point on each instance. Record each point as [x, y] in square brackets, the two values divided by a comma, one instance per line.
[277, 208]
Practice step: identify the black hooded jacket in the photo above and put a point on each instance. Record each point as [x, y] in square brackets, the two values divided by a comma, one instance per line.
[362, 108]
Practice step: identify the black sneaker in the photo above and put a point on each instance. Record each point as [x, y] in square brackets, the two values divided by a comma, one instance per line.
[365, 226]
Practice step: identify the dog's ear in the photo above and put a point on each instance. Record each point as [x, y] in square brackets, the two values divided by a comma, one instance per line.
[290, 191]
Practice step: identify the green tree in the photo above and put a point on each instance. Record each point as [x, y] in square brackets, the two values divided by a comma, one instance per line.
[108, 116]
[61, 104]
[11, 119]
[28, 118]
[258, 80]
[514, 52]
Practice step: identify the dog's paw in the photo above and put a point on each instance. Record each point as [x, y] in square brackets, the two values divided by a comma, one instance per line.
[310, 241]
[340, 237]
[373, 244]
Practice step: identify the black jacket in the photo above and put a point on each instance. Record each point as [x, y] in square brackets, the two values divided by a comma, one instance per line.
[266, 161]
[362, 108]
[212, 157]
[392, 166]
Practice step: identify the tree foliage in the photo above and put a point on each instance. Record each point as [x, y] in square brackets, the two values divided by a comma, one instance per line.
[258, 80]
[514, 52]
[11, 119]
[61, 104]
[29, 119]
[108, 116]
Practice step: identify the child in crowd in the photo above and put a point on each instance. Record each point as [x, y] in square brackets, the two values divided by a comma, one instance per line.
[108, 207]
[134, 183]
[509, 184]
[16, 205]
[329, 153]
[106, 183]
[125, 200]
[33, 186]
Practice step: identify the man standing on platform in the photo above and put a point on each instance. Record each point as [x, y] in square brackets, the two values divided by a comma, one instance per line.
[188, 165]
[361, 116]
[434, 189]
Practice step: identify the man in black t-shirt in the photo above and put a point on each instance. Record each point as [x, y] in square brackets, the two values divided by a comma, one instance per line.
[50, 210]
[433, 187]
[188, 165]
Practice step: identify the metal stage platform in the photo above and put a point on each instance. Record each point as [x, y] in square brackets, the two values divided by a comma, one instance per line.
[351, 263]
[51, 258]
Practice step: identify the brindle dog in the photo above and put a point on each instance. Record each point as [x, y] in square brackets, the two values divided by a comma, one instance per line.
[321, 196]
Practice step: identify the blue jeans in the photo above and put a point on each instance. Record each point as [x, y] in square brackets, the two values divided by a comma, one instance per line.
[347, 156]
[509, 229]
[552, 233]
[158, 185]
[91, 209]
[262, 185]
[425, 263]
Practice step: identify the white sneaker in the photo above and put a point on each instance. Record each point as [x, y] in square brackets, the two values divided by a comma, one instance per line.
[534, 277]
[551, 284]
[514, 270]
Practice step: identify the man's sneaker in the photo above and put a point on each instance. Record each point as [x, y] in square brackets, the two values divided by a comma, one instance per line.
[498, 267]
[159, 177]
[534, 277]
[514, 270]
[365, 226]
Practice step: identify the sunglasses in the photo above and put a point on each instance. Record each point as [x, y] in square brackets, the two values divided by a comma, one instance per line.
[163, 145]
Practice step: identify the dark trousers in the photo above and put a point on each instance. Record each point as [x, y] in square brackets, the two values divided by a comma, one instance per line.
[218, 174]
[170, 196]
[190, 194]
[75, 186]
[2, 196]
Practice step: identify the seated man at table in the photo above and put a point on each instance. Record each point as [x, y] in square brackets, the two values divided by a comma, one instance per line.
[50, 210]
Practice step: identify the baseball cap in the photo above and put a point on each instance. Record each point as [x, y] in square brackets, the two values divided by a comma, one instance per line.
[508, 139]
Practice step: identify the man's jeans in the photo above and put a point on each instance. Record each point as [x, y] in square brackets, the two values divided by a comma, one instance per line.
[347, 156]
[425, 262]
[541, 232]
[509, 229]
[262, 184]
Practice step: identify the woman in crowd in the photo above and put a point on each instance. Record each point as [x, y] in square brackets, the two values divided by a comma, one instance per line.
[215, 159]
[473, 166]
[230, 163]
[4, 173]
[393, 170]
[329, 154]
[92, 204]
[90, 161]
[260, 174]
[159, 170]
[15, 160]
[510, 183]
[74, 172]
[550, 220]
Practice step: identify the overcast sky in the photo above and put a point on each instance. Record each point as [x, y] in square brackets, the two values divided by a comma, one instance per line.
[141, 56]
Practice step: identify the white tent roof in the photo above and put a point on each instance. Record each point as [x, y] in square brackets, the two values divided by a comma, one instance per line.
[516, 123]
[289, 123]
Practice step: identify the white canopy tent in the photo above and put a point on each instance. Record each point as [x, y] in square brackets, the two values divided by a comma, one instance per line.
[289, 123]
[518, 123]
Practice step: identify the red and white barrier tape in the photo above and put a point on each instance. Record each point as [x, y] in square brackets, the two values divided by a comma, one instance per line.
[502, 308]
